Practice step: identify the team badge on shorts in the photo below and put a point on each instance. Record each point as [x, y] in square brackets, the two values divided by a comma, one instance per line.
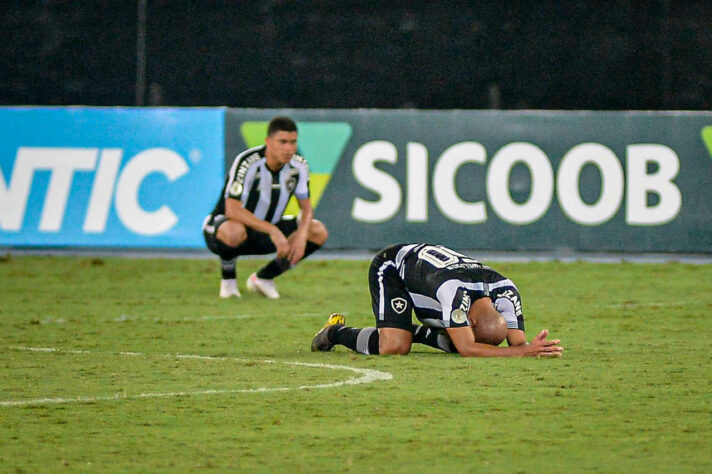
[458, 316]
[399, 305]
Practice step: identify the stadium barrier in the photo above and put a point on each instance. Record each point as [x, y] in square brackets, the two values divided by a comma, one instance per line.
[498, 180]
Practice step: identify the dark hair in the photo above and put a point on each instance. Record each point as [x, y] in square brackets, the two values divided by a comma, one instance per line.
[281, 124]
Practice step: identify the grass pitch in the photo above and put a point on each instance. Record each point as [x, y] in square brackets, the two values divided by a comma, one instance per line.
[113, 364]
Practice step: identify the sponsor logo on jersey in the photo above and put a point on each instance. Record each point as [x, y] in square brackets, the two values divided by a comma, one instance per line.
[516, 302]
[465, 304]
[399, 305]
[242, 170]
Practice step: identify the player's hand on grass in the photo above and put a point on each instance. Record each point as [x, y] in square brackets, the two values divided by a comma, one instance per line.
[280, 242]
[541, 346]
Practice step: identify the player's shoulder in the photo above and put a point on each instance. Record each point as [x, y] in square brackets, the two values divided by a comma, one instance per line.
[244, 161]
[298, 161]
[249, 156]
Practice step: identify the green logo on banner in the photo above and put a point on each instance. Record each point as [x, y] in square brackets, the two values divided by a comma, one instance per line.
[322, 143]
[707, 138]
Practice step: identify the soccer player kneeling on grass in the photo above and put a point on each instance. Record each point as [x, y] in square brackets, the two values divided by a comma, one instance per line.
[248, 218]
[465, 307]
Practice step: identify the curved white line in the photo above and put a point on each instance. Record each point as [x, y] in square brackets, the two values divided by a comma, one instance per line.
[217, 317]
[367, 376]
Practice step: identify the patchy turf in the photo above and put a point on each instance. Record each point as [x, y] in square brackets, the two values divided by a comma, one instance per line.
[143, 368]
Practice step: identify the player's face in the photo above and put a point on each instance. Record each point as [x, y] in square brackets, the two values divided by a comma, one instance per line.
[281, 146]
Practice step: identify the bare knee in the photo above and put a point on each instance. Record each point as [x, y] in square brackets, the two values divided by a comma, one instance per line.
[232, 233]
[401, 349]
[394, 341]
[317, 232]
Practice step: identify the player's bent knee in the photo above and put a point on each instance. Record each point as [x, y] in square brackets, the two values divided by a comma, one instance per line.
[394, 341]
[318, 233]
[395, 349]
[232, 234]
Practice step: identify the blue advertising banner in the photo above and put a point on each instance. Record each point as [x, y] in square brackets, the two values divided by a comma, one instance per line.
[120, 177]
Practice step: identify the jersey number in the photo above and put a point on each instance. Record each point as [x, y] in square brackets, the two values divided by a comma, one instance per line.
[441, 257]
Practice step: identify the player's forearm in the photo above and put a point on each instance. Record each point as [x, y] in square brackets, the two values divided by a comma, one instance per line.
[306, 215]
[248, 219]
[486, 350]
[540, 346]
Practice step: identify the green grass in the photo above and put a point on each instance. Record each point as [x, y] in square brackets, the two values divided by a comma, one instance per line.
[631, 393]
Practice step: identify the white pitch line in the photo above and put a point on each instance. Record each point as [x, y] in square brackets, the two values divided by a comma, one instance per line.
[127, 317]
[123, 318]
[367, 376]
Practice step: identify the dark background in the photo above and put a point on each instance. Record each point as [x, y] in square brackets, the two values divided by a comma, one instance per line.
[617, 55]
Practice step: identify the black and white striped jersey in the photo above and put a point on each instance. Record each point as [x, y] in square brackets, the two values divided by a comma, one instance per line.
[263, 192]
[443, 283]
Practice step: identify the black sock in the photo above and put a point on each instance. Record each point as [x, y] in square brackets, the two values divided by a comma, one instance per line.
[280, 265]
[274, 268]
[433, 337]
[310, 249]
[228, 269]
[364, 341]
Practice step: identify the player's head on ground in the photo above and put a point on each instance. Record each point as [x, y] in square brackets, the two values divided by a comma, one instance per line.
[489, 326]
[281, 142]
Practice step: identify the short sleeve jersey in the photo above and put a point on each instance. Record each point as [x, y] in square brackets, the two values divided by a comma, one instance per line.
[443, 284]
[262, 191]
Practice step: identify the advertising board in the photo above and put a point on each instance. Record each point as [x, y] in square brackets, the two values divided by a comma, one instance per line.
[507, 180]
[120, 177]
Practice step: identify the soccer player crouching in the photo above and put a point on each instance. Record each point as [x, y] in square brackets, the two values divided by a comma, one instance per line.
[248, 217]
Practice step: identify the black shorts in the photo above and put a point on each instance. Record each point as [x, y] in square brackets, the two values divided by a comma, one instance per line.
[257, 243]
[391, 303]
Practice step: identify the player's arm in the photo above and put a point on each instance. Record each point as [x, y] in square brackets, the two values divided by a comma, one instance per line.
[234, 210]
[464, 340]
[298, 240]
[515, 321]
[516, 337]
